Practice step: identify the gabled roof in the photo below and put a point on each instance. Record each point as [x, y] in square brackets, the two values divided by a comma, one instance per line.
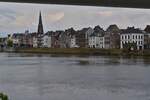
[147, 29]
[49, 33]
[18, 35]
[113, 28]
[98, 29]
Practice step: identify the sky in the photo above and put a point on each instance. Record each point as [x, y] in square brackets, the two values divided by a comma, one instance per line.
[18, 17]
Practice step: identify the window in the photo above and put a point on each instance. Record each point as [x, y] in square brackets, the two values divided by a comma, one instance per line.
[133, 36]
[136, 36]
[139, 36]
[128, 37]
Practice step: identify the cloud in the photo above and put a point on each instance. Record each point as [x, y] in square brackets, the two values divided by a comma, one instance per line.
[6, 16]
[55, 16]
[105, 13]
[17, 17]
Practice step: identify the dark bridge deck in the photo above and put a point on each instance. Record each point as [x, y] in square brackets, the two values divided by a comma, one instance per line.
[113, 3]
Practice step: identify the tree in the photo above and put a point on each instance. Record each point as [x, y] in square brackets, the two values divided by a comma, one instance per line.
[130, 46]
[3, 96]
[10, 43]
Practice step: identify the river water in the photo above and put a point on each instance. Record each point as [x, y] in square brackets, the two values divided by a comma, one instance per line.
[51, 77]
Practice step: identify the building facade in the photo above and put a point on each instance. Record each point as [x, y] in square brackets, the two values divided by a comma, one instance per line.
[96, 40]
[132, 39]
[47, 41]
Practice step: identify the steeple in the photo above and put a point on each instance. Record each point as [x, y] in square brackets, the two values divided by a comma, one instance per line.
[40, 25]
[40, 31]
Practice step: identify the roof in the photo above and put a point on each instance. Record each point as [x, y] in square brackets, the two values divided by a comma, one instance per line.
[100, 34]
[49, 33]
[131, 30]
[18, 35]
[113, 28]
[147, 29]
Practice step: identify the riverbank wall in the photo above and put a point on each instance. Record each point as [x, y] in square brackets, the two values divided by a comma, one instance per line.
[83, 51]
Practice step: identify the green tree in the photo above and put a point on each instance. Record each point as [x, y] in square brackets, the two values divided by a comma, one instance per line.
[10, 43]
[128, 46]
[3, 96]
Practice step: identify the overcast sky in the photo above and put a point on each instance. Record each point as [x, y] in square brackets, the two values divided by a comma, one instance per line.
[18, 17]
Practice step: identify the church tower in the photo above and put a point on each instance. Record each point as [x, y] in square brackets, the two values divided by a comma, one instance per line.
[40, 25]
[40, 31]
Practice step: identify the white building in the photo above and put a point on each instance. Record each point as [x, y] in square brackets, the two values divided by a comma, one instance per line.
[35, 42]
[73, 42]
[47, 41]
[15, 41]
[132, 36]
[96, 41]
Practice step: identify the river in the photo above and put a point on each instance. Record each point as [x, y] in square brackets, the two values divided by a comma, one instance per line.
[53, 77]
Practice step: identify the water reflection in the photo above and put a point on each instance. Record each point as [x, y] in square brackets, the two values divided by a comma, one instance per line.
[71, 77]
[88, 60]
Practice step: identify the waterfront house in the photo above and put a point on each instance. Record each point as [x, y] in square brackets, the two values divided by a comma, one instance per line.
[73, 43]
[31, 39]
[71, 36]
[112, 37]
[47, 40]
[88, 32]
[96, 39]
[18, 40]
[3, 42]
[55, 39]
[35, 42]
[147, 37]
[82, 37]
[132, 38]
[63, 38]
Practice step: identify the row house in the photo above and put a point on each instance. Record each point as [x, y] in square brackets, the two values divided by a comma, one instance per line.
[18, 40]
[26, 39]
[147, 37]
[73, 41]
[96, 39]
[47, 39]
[112, 37]
[82, 37]
[71, 38]
[132, 38]
[55, 39]
[60, 39]
[3, 42]
[88, 32]
[66, 37]
[32, 40]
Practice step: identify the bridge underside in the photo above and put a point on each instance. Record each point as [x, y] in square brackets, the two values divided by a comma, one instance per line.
[109, 3]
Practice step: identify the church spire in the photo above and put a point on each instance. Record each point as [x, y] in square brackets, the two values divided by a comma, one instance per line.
[40, 25]
[40, 31]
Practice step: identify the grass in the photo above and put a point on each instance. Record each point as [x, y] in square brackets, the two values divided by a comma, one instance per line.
[83, 51]
[89, 51]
